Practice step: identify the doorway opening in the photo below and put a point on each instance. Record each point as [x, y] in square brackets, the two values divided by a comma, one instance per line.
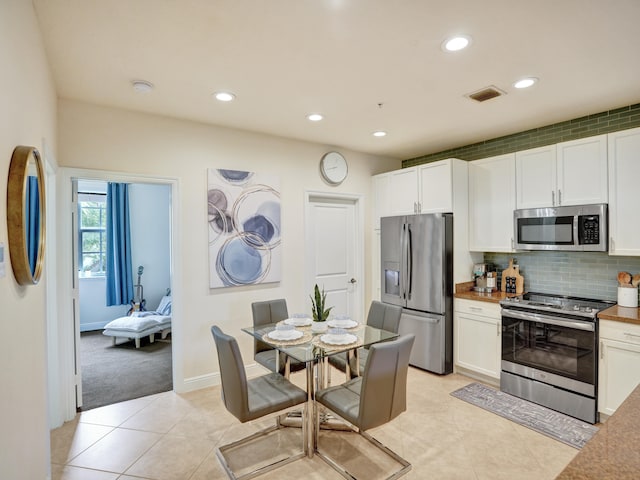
[115, 368]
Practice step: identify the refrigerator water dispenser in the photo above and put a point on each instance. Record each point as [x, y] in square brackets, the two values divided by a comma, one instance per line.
[392, 282]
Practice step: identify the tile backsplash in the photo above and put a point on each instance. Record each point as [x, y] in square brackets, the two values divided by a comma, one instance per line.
[579, 274]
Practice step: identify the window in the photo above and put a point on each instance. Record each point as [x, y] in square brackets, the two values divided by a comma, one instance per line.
[92, 212]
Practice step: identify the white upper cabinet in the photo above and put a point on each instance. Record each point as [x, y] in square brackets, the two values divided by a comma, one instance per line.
[394, 193]
[428, 188]
[536, 177]
[492, 199]
[582, 171]
[569, 173]
[422, 189]
[624, 175]
[436, 187]
[381, 207]
[403, 191]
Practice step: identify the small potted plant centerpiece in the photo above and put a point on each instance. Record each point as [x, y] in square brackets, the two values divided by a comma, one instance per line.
[320, 313]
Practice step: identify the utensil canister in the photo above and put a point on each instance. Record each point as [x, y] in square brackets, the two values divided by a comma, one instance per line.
[628, 297]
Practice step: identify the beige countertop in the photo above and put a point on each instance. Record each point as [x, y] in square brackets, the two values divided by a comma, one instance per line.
[614, 451]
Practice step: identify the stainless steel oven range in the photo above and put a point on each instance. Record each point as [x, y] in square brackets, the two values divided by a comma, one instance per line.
[550, 352]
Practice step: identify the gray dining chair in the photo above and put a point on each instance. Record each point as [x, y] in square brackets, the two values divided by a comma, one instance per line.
[247, 400]
[272, 311]
[381, 315]
[375, 398]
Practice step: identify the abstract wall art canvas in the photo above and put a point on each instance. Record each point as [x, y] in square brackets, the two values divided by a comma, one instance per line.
[244, 228]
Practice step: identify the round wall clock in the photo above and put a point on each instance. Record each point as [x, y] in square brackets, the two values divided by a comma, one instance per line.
[333, 168]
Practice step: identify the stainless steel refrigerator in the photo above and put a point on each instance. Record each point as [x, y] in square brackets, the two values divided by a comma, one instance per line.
[417, 274]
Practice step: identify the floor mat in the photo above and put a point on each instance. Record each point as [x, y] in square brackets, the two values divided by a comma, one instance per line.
[558, 426]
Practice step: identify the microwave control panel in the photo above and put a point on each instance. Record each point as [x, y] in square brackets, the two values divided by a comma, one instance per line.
[589, 229]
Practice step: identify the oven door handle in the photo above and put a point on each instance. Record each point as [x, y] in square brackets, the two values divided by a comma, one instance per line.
[561, 322]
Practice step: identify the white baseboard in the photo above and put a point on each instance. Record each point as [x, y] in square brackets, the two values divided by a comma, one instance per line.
[213, 379]
[478, 376]
[87, 327]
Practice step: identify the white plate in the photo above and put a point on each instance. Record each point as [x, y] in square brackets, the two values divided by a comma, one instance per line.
[285, 334]
[342, 323]
[299, 321]
[338, 339]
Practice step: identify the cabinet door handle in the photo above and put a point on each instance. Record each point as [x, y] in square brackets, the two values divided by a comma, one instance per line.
[476, 309]
[559, 197]
[601, 351]
[498, 329]
[553, 198]
[631, 334]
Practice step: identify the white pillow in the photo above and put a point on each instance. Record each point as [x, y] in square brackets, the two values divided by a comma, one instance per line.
[165, 306]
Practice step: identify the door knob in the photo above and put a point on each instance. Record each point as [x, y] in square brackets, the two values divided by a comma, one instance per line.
[353, 280]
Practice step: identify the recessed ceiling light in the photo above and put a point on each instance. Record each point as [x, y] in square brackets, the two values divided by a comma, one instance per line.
[142, 86]
[453, 44]
[379, 133]
[314, 117]
[224, 96]
[525, 82]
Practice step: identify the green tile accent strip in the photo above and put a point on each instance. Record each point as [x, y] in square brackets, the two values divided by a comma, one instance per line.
[590, 125]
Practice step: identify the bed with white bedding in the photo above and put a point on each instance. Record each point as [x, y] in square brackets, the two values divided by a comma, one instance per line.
[141, 324]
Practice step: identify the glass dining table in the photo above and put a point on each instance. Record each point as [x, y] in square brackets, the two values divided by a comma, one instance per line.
[313, 349]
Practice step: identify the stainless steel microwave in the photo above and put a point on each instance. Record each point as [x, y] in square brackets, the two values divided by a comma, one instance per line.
[580, 228]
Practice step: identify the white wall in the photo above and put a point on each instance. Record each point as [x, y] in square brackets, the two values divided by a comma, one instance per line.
[150, 239]
[28, 118]
[94, 313]
[93, 137]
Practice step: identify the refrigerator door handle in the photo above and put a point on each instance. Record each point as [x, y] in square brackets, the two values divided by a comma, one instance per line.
[403, 259]
[409, 262]
[431, 320]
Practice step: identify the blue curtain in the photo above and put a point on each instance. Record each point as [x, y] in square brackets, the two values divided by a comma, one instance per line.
[119, 272]
[32, 228]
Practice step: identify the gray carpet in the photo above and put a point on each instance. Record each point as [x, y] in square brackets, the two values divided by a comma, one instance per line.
[115, 374]
[558, 426]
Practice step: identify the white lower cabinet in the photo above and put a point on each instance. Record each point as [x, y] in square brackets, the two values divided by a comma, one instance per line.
[477, 336]
[619, 368]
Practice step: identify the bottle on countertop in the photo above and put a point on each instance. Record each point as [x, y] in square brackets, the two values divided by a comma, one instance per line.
[491, 280]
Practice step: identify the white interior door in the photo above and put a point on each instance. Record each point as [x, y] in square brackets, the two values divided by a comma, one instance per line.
[335, 250]
[75, 292]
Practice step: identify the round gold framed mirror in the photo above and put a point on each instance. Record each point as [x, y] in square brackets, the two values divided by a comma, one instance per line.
[26, 214]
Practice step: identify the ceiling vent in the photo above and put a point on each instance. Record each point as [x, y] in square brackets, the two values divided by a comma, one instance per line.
[486, 93]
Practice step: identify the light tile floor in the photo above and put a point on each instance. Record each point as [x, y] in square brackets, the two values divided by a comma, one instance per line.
[173, 437]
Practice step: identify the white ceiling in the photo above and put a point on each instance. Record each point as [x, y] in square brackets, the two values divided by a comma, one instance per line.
[287, 58]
